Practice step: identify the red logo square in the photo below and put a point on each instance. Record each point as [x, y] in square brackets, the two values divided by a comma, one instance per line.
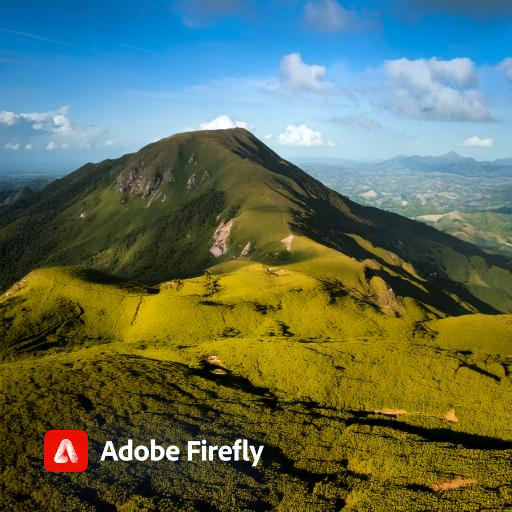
[66, 451]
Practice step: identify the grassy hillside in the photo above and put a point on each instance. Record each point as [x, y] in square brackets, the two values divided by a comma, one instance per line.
[357, 407]
[365, 351]
[490, 229]
[182, 204]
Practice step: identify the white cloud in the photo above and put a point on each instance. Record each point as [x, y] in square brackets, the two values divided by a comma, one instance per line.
[268, 136]
[28, 147]
[48, 126]
[109, 142]
[505, 66]
[8, 118]
[296, 75]
[222, 122]
[65, 145]
[51, 146]
[302, 135]
[329, 16]
[53, 121]
[478, 142]
[12, 146]
[445, 90]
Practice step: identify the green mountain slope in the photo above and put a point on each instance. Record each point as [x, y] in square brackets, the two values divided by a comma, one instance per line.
[490, 229]
[184, 203]
[363, 350]
[358, 409]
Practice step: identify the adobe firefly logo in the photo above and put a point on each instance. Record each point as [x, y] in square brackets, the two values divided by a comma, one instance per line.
[66, 451]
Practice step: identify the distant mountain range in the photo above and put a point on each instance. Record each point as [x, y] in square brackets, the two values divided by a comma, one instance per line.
[451, 163]
[15, 187]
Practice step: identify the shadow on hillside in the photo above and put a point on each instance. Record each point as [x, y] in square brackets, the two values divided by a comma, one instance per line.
[436, 435]
[94, 276]
[328, 223]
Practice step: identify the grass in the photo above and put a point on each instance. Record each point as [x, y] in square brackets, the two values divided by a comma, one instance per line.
[319, 386]
[136, 217]
[368, 357]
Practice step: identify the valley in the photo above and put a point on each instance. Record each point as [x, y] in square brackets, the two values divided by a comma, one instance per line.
[474, 207]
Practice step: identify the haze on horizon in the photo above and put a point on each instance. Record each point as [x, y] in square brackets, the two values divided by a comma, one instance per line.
[319, 78]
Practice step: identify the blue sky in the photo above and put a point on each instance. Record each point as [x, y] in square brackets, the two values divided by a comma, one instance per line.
[83, 81]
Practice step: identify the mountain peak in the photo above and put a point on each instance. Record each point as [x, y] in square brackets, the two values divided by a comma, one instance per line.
[188, 202]
[453, 155]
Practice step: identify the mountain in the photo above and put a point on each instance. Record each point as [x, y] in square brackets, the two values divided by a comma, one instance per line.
[208, 289]
[451, 162]
[187, 202]
[19, 186]
[8, 197]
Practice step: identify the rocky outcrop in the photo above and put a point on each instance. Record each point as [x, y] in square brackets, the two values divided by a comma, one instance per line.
[191, 182]
[246, 250]
[170, 176]
[136, 183]
[221, 238]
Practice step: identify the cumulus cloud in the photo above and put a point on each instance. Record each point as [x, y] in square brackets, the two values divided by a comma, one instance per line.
[109, 142]
[268, 136]
[8, 118]
[296, 75]
[28, 147]
[47, 127]
[51, 146]
[478, 142]
[329, 16]
[444, 90]
[302, 135]
[53, 121]
[222, 122]
[12, 146]
[505, 66]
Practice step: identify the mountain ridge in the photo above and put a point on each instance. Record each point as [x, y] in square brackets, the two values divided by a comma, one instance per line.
[184, 203]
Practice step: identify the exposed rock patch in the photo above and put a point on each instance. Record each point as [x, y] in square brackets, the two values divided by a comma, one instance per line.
[288, 242]
[135, 182]
[191, 182]
[246, 250]
[170, 176]
[450, 416]
[453, 484]
[220, 239]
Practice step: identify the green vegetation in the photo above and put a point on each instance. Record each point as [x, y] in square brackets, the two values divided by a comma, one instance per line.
[153, 215]
[490, 229]
[357, 407]
[363, 350]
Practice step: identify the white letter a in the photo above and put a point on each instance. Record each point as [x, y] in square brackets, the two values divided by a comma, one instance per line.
[65, 446]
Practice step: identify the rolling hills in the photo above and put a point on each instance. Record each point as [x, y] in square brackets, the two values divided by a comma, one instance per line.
[204, 288]
[489, 229]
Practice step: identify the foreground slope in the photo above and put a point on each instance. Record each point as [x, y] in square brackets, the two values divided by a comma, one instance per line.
[184, 203]
[358, 409]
